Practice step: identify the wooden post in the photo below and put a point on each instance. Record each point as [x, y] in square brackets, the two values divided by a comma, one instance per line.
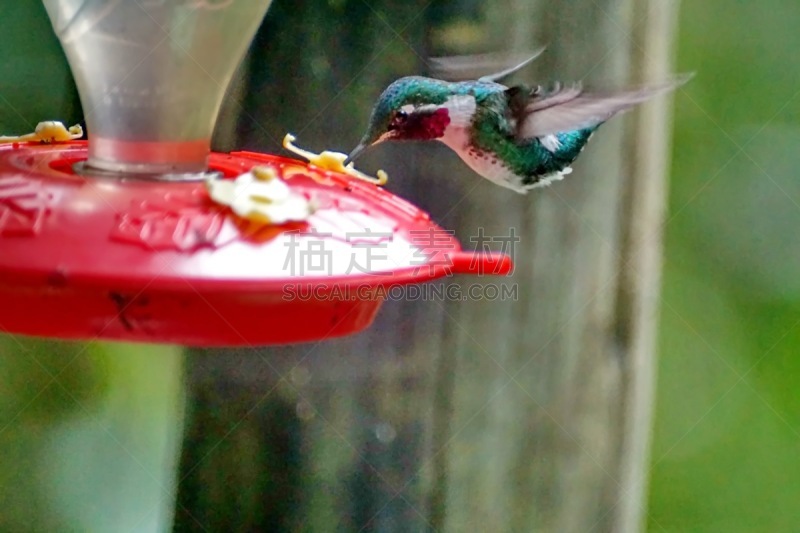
[529, 414]
[638, 297]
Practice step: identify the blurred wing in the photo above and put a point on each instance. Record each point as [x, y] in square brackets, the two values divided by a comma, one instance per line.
[570, 108]
[475, 67]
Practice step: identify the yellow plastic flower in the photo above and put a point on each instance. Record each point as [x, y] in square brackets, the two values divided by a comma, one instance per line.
[50, 131]
[333, 161]
[260, 196]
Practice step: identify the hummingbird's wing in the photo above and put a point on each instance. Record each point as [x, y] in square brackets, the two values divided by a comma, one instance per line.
[471, 67]
[570, 108]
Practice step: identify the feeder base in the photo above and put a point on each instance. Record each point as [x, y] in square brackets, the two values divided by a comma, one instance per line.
[159, 262]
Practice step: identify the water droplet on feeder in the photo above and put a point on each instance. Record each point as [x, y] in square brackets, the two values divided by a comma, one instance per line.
[305, 411]
[385, 432]
[300, 376]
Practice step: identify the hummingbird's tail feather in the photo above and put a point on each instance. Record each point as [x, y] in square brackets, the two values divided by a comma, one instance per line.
[476, 66]
[571, 108]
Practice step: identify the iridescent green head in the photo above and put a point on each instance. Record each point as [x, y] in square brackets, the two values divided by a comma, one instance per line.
[407, 110]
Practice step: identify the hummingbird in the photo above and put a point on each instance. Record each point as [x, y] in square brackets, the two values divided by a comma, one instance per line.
[519, 137]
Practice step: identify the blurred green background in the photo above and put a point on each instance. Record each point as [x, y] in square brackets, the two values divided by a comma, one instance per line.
[726, 447]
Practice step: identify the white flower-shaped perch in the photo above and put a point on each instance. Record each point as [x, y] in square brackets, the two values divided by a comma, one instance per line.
[333, 161]
[50, 131]
[260, 196]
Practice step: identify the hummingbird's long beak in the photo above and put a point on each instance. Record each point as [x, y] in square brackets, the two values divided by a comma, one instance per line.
[357, 151]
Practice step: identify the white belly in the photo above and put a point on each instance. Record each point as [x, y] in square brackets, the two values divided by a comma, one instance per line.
[490, 167]
[483, 163]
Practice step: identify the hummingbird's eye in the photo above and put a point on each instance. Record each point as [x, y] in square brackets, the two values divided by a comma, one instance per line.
[398, 119]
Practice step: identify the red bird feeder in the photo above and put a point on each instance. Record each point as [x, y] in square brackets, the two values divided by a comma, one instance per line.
[119, 238]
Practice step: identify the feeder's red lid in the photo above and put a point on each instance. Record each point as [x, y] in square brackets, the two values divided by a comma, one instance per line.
[160, 262]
